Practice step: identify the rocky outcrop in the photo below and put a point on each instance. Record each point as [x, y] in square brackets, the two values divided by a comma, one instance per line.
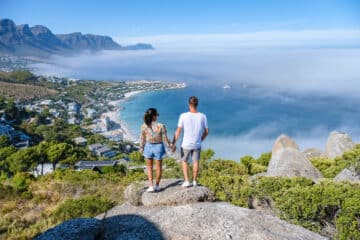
[80, 228]
[199, 221]
[348, 175]
[183, 215]
[171, 194]
[338, 143]
[287, 161]
[313, 153]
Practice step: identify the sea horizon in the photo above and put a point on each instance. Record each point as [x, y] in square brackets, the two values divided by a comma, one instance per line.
[241, 123]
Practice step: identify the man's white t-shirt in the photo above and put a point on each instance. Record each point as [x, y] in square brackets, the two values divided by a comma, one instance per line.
[193, 125]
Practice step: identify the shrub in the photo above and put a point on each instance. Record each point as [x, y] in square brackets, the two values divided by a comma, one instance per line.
[224, 167]
[332, 167]
[21, 181]
[137, 157]
[89, 206]
[233, 189]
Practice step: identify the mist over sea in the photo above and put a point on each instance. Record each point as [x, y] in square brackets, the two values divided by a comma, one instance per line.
[303, 92]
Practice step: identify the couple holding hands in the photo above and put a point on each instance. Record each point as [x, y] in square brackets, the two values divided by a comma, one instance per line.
[153, 138]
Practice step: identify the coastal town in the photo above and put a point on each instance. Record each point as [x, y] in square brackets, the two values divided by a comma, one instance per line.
[91, 107]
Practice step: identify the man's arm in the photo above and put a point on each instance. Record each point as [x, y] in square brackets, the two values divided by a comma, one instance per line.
[177, 134]
[206, 132]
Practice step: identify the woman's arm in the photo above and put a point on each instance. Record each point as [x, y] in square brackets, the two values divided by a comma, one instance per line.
[142, 139]
[165, 137]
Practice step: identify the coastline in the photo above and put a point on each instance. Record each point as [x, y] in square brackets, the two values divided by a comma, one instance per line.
[115, 117]
[122, 127]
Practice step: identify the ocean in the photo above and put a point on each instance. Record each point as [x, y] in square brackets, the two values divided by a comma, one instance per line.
[245, 121]
[303, 92]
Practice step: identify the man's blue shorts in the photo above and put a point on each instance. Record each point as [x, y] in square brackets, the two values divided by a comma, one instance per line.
[154, 150]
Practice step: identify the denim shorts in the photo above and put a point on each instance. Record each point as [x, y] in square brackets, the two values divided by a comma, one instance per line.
[154, 150]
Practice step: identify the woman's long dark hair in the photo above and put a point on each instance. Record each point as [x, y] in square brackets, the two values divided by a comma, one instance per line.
[149, 116]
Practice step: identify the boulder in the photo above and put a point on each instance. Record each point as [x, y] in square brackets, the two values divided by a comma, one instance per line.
[313, 153]
[282, 142]
[337, 144]
[287, 161]
[206, 220]
[348, 175]
[75, 229]
[171, 194]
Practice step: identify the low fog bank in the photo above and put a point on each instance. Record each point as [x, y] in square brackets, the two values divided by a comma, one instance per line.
[328, 72]
[235, 147]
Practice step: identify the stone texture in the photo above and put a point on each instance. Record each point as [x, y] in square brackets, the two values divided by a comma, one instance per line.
[313, 153]
[338, 143]
[75, 229]
[287, 161]
[284, 141]
[171, 194]
[198, 221]
[348, 175]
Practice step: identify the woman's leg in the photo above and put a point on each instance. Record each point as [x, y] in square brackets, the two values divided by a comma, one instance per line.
[150, 170]
[158, 171]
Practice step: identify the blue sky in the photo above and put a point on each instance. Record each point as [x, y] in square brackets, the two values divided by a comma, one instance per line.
[148, 18]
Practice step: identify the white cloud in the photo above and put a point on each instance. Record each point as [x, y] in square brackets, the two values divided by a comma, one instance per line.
[307, 38]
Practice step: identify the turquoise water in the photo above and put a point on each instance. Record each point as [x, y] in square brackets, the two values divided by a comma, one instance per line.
[246, 121]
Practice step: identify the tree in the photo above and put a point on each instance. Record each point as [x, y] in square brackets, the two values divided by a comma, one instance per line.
[4, 154]
[57, 152]
[4, 141]
[136, 157]
[41, 150]
[23, 160]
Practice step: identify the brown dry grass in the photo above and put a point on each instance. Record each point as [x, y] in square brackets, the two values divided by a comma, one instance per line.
[24, 91]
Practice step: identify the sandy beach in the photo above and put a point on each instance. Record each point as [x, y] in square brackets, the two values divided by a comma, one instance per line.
[115, 117]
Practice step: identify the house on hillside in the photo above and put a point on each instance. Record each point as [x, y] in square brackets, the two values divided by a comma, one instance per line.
[105, 151]
[102, 150]
[80, 141]
[94, 165]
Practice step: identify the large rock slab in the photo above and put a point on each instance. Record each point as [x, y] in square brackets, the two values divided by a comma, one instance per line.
[75, 229]
[338, 143]
[287, 161]
[348, 175]
[171, 194]
[198, 221]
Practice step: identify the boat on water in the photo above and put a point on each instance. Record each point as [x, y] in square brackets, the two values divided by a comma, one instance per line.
[226, 86]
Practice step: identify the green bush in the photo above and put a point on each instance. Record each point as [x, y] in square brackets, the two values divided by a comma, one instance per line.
[332, 167]
[21, 181]
[224, 167]
[89, 206]
[120, 169]
[233, 189]
[326, 203]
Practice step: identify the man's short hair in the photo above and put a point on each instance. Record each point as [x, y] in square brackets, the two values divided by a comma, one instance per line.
[193, 101]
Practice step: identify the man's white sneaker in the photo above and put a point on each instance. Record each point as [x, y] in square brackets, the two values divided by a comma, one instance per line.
[195, 183]
[150, 189]
[157, 188]
[186, 184]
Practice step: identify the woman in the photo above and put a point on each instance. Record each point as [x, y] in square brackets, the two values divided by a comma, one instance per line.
[152, 138]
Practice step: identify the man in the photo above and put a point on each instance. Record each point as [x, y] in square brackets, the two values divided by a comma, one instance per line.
[196, 130]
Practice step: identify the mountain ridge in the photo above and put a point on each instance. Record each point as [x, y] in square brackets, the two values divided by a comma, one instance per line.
[39, 40]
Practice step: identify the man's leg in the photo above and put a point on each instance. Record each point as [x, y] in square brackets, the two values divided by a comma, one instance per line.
[185, 165]
[195, 158]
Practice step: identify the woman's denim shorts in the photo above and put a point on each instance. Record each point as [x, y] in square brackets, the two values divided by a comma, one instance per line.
[154, 150]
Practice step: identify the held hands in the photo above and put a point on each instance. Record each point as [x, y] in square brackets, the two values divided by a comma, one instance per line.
[172, 147]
